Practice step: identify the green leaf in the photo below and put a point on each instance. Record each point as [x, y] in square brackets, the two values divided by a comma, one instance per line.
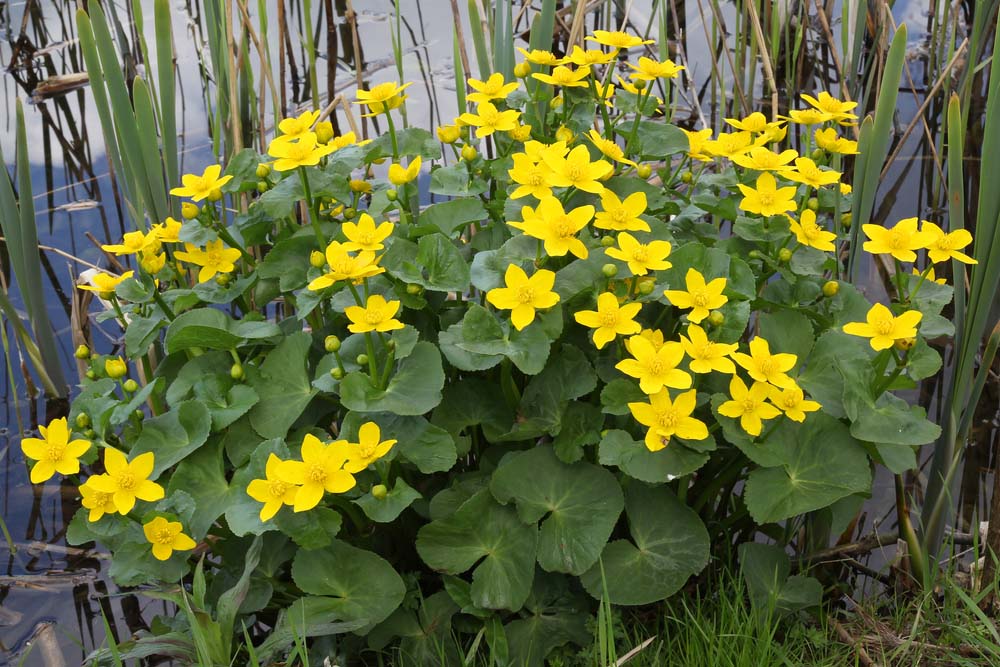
[450, 340]
[618, 393]
[243, 512]
[453, 215]
[213, 329]
[288, 262]
[669, 545]
[469, 401]
[429, 447]
[434, 262]
[765, 569]
[659, 139]
[787, 331]
[482, 334]
[313, 529]
[80, 529]
[387, 509]
[581, 503]
[141, 333]
[837, 359]
[283, 384]
[411, 141]
[825, 465]
[581, 426]
[454, 181]
[173, 435]
[489, 536]
[634, 459]
[890, 420]
[766, 230]
[413, 390]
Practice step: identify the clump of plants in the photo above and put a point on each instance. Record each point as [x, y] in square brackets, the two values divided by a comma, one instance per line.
[614, 347]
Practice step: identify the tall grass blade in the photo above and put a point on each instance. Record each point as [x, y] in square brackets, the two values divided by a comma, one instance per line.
[479, 41]
[167, 88]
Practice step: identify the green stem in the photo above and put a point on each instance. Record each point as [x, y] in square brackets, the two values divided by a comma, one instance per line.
[370, 346]
[392, 134]
[6, 535]
[313, 215]
[158, 298]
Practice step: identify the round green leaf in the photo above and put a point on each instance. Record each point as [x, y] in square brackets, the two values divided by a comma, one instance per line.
[413, 390]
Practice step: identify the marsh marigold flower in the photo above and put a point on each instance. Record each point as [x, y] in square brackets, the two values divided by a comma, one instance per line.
[364, 235]
[541, 57]
[297, 127]
[214, 258]
[345, 266]
[764, 366]
[793, 402]
[622, 215]
[750, 406]
[654, 367]
[115, 368]
[369, 448]
[376, 315]
[166, 537]
[755, 122]
[696, 144]
[586, 58]
[699, 296]
[665, 418]
[883, 328]
[930, 276]
[577, 170]
[132, 243]
[650, 70]
[609, 148]
[565, 77]
[532, 178]
[382, 98]
[806, 171]
[828, 104]
[488, 119]
[610, 320]
[126, 480]
[523, 295]
[767, 199]
[320, 471]
[808, 233]
[105, 283]
[761, 158]
[98, 502]
[809, 116]
[828, 139]
[306, 152]
[617, 39]
[641, 258]
[272, 490]
[54, 452]
[494, 88]
[400, 175]
[556, 227]
[168, 231]
[728, 144]
[707, 355]
[942, 245]
[200, 187]
[901, 240]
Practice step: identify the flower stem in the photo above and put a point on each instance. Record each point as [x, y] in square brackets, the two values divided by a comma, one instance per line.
[372, 368]
[313, 214]
[392, 135]
[163, 305]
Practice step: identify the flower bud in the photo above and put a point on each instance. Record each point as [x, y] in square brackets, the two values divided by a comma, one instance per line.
[263, 169]
[324, 131]
[90, 374]
[469, 153]
[130, 385]
[564, 134]
[846, 219]
[754, 254]
[784, 255]
[391, 345]
[609, 270]
[223, 279]
[82, 352]
[362, 360]
[336, 373]
[138, 414]
[644, 171]
[716, 318]
[448, 134]
[522, 70]
[82, 420]
[817, 155]
[813, 204]
[640, 84]
[215, 195]
[830, 288]
[331, 343]
[607, 241]
[263, 186]
[115, 368]
[189, 210]
[380, 492]
[646, 286]
[905, 344]
[391, 195]
[90, 434]
[414, 289]
[317, 259]
[687, 177]
[236, 371]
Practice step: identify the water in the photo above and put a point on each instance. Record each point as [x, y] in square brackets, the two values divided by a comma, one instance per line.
[53, 598]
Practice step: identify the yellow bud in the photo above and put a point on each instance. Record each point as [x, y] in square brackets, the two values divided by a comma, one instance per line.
[215, 195]
[564, 134]
[830, 288]
[317, 259]
[905, 344]
[189, 210]
[448, 134]
[644, 171]
[469, 153]
[263, 169]
[82, 352]
[115, 368]
[324, 131]
[522, 70]
[380, 492]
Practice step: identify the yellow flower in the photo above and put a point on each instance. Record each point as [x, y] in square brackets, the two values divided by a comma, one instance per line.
[942, 245]
[609, 148]
[345, 140]
[296, 128]
[696, 144]
[774, 132]
[523, 295]
[305, 152]
[606, 93]
[767, 198]
[728, 145]
[630, 87]
[376, 315]
[655, 338]
[540, 57]
[565, 77]
[272, 491]
[126, 480]
[98, 502]
[698, 296]
[808, 233]
[344, 266]
[749, 405]
[536, 150]
[641, 257]
[364, 235]
[883, 328]
[105, 283]
[930, 276]
[755, 122]
[166, 537]
[520, 133]
[488, 119]
[494, 88]
[152, 262]
[828, 140]
[564, 134]
[324, 131]
[382, 98]
[399, 175]
[617, 39]
[809, 116]
[132, 242]
[215, 258]
[610, 319]
[650, 70]
[167, 231]
[556, 227]
[828, 104]
[115, 368]
[320, 471]
[200, 187]
[360, 186]
[655, 368]
[793, 403]
[666, 419]
[807, 172]
[531, 177]
[577, 170]
[900, 241]
[761, 158]
[764, 366]
[707, 355]
[54, 452]
[448, 134]
[589, 57]
[369, 448]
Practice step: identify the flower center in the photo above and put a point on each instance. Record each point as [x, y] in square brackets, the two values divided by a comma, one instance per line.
[316, 473]
[164, 536]
[883, 327]
[199, 183]
[564, 229]
[54, 452]
[535, 178]
[609, 320]
[657, 367]
[213, 258]
[525, 294]
[490, 117]
[299, 150]
[373, 315]
[641, 254]
[619, 215]
[344, 266]
[367, 450]
[367, 239]
[576, 172]
[791, 401]
[276, 488]
[700, 298]
[749, 405]
[668, 419]
[767, 367]
[765, 199]
[897, 240]
[126, 481]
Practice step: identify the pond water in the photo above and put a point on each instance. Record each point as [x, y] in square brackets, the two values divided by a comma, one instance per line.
[54, 598]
